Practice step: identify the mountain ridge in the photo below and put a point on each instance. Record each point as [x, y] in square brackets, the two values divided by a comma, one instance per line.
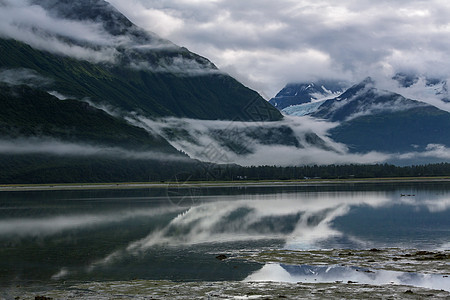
[371, 119]
[300, 93]
[146, 74]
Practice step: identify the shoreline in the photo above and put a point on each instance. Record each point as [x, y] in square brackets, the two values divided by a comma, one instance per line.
[206, 184]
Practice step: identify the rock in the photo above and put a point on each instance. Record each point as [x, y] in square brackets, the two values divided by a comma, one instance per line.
[418, 253]
[375, 250]
[221, 257]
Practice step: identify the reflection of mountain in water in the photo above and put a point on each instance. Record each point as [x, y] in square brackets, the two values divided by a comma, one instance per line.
[356, 275]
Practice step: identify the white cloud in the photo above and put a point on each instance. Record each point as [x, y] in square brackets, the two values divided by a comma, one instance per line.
[35, 227]
[21, 76]
[56, 147]
[33, 25]
[432, 150]
[265, 44]
[232, 142]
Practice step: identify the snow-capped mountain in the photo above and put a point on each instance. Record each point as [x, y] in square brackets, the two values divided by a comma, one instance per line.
[364, 99]
[410, 117]
[301, 93]
[422, 87]
[372, 119]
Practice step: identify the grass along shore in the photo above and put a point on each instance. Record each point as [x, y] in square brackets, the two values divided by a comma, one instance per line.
[187, 184]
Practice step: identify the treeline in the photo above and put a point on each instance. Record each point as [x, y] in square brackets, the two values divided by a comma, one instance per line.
[19, 169]
[211, 172]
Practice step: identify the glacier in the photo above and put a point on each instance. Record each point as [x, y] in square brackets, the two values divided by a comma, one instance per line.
[303, 109]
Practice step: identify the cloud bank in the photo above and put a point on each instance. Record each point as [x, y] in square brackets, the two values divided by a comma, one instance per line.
[267, 44]
[33, 25]
[226, 142]
[23, 76]
[58, 31]
[56, 147]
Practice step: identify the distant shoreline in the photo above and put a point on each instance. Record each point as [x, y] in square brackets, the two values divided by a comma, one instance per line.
[199, 184]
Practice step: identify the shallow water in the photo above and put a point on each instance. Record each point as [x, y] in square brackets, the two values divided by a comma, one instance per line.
[56, 241]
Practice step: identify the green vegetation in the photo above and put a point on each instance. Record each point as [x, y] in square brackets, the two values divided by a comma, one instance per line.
[22, 169]
[28, 112]
[215, 172]
[207, 96]
[41, 168]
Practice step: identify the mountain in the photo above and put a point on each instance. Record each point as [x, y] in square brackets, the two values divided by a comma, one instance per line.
[420, 86]
[74, 87]
[363, 99]
[371, 119]
[300, 93]
[46, 140]
[119, 64]
[27, 112]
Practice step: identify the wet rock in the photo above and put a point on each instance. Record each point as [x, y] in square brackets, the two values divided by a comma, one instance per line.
[422, 253]
[409, 292]
[42, 298]
[432, 256]
[221, 257]
[441, 256]
[375, 250]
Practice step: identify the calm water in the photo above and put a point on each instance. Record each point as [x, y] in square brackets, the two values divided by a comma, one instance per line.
[176, 234]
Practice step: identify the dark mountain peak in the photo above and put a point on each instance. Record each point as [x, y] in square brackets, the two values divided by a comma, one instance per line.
[100, 12]
[364, 87]
[367, 83]
[305, 92]
[114, 39]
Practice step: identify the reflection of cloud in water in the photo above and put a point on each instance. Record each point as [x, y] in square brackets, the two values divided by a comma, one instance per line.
[288, 217]
[435, 205]
[54, 225]
[300, 220]
[295, 219]
[330, 274]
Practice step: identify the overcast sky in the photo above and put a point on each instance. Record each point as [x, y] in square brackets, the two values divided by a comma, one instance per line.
[266, 43]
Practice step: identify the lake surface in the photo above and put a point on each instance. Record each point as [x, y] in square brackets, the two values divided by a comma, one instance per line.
[373, 234]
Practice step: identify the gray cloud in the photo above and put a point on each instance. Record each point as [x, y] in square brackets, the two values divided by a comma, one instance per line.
[91, 40]
[23, 76]
[56, 147]
[432, 150]
[420, 90]
[200, 140]
[269, 43]
[35, 227]
[33, 25]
